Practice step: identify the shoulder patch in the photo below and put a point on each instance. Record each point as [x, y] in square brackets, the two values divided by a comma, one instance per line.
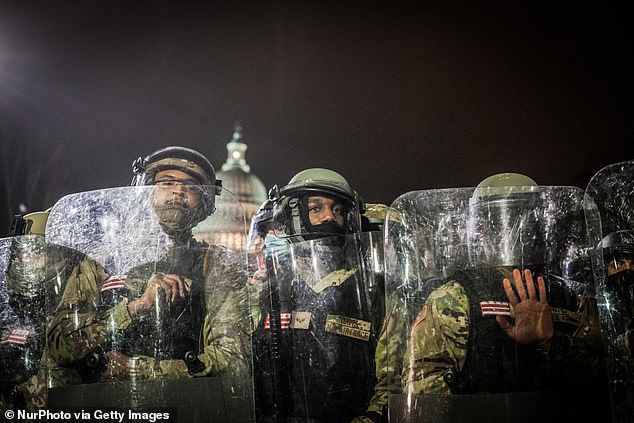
[16, 337]
[114, 282]
[285, 321]
[495, 308]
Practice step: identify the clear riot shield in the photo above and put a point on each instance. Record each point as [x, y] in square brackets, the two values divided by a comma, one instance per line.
[149, 317]
[447, 254]
[611, 193]
[322, 310]
[25, 277]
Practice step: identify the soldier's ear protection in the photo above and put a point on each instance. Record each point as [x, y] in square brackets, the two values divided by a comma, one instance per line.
[138, 169]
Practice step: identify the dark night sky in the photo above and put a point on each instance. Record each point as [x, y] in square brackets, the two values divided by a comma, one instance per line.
[396, 98]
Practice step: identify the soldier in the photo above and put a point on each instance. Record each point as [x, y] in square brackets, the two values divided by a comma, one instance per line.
[503, 323]
[618, 287]
[321, 314]
[178, 315]
[610, 190]
[32, 270]
[618, 257]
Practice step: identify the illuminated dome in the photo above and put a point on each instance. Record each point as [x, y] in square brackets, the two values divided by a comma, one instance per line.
[246, 187]
[236, 174]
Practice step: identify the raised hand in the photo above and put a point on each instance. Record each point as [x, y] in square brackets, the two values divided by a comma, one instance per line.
[533, 318]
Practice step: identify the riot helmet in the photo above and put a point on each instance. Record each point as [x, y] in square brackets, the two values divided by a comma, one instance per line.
[36, 222]
[261, 225]
[29, 224]
[190, 162]
[184, 159]
[504, 226]
[293, 211]
[27, 270]
[618, 252]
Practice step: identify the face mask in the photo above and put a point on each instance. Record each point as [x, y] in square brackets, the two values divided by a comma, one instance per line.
[620, 280]
[621, 289]
[175, 219]
[328, 228]
[274, 245]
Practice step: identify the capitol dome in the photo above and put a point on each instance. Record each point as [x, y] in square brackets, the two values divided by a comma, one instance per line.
[236, 174]
[238, 184]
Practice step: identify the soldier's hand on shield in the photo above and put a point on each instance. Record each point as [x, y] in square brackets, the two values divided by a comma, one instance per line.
[533, 318]
[174, 286]
[117, 367]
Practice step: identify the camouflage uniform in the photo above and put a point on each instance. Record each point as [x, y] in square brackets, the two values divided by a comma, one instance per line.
[85, 321]
[389, 352]
[22, 309]
[439, 338]
[441, 341]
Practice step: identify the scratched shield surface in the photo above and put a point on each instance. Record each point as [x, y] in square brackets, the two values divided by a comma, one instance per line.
[447, 253]
[189, 342]
[322, 312]
[611, 193]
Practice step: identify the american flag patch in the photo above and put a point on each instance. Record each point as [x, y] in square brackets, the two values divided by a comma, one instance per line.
[495, 308]
[285, 321]
[114, 282]
[16, 337]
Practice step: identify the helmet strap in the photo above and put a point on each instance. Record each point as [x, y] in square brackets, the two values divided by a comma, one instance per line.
[293, 203]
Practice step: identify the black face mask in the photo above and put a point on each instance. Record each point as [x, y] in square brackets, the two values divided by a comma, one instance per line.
[621, 288]
[328, 228]
[619, 281]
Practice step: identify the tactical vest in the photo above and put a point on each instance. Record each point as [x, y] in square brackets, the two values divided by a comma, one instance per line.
[174, 330]
[494, 363]
[328, 340]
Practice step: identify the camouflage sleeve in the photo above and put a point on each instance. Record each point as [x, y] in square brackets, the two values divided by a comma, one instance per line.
[388, 357]
[225, 335]
[438, 341]
[77, 327]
